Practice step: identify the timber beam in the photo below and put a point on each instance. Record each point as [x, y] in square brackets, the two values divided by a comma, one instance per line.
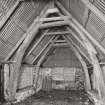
[41, 60]
[49, 19]
[96, 43]
[99, 82]
[88, 85]
[7, 62]
[94, 9]
[61, 45]
[58, 33]
[42, 50]
[75, 36]
[20, 54]
[52, 10]
[53, 24]
[33, 48]
[92, 53]
[72, 32]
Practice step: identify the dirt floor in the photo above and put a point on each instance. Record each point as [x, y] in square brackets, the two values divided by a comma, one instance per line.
[58, 97]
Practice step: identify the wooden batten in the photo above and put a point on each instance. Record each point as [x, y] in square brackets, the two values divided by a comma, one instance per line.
[20, 53]
[88, 85]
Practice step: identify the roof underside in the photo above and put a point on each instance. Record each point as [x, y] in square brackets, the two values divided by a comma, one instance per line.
[16, 18]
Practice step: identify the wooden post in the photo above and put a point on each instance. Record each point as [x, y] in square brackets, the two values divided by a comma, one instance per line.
[88, 85]
[41, 60]
[20, 53]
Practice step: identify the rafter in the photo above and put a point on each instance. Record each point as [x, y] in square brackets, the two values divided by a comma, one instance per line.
[99, 82]
[20, 53]
[94, 9]
[96, 43]
[80, 50]
[41, 60]
[76, 37]
[5, 18]
[43, 35]
[88, 86]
